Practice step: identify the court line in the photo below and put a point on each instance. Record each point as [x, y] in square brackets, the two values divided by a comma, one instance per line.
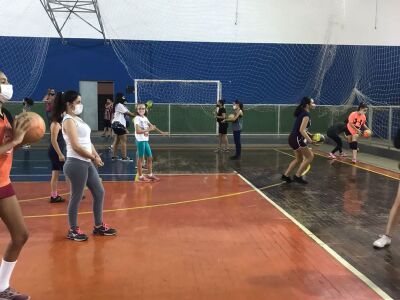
[160, 205]
[328, 249]
[124, 174]
[346, 163]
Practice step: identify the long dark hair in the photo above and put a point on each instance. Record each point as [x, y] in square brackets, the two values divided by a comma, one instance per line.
[60, 104]
[303, 103]
[237, 102]
[361, 106]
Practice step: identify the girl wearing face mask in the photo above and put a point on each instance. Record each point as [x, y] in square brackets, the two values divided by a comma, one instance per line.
[237, 125]
[142, 130]
[56, 152]
[356, 122]
[11, 135]
[298, 139]
[80, 167]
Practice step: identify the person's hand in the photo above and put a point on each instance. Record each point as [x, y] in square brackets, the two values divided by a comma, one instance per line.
[20, 127]
[223, 121]
[152, 127]
[98, 162]
[61, 158]
[164, 133]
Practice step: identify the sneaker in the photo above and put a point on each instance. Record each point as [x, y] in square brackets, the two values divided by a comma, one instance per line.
[354, 160]
[382, 242]
[299, 179]
[143, 179]
[153, 178]
[343, 154]
[115, 158]
[57, 199]
[10, 294]
[331, 155]
[104, 229]
[235, 157]
[226, 150]
[76, 235]
[127, 159]
[27, 146]
[218, 150]
[286, 178]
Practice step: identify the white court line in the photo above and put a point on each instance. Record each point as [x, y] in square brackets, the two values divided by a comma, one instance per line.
[328, 249]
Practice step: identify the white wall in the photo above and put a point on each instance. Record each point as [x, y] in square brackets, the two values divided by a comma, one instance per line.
[264, 21]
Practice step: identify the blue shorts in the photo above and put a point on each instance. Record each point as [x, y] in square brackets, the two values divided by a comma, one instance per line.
[143, 149]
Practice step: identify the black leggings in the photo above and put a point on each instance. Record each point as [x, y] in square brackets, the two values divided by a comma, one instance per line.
[338, 141]
[238, 143]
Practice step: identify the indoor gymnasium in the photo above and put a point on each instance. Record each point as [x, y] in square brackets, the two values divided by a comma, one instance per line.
[199, 150]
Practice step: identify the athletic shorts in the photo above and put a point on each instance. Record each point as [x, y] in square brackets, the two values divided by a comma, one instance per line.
[297, 142]
[143, 149]
[56, 164]
[107, 123]
[118, 128]
[223, 128]
[6, 191]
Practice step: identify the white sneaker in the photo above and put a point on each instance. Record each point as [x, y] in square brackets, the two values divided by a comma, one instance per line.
[382, 242]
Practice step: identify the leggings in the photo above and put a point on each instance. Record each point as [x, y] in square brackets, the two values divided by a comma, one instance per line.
[238, 143]
[338, 142]
[83, 173]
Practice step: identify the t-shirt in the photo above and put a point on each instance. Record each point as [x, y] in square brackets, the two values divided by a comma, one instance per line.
[108, 112]
[83, 130]
[221, 111]
[119, 115]
[143, 123]
[299, 120]
[5, 158]
[358, 120]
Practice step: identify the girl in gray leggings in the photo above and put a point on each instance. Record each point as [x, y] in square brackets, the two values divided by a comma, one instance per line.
[80, 166]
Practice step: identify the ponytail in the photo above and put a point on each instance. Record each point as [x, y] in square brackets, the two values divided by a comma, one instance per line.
[304, 102]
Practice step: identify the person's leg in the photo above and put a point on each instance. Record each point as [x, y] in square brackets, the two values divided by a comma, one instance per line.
[236, 139]
[10, 213]
[308, 157]
[354, 146]
[115, 146]
[77, 172]
[55, 197]
[123, 139]
[225, 141]
[298, 158]
[386, 239]
[239, 150]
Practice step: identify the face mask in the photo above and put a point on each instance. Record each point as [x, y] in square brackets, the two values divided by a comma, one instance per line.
[6, 92]
[313, 105]
[234, 106]
[78, 109]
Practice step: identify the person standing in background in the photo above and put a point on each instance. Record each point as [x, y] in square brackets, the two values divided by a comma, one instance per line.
[48, 100]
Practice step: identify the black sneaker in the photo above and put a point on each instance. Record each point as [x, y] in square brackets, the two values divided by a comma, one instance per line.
[104, 229]
[57, 199]
[235, 157]
[127, 159]
[299, 179]
[13, 295]
[286, 178]
[77, 235]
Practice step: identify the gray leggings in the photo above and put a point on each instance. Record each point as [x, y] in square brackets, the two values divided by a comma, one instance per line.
[82, 173]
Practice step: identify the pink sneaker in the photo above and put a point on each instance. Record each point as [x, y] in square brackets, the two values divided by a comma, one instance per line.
[143, 179]
[354, 160]
[152, 177]
[331, 155]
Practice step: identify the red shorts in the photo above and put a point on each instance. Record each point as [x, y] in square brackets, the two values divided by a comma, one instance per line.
[6, 191]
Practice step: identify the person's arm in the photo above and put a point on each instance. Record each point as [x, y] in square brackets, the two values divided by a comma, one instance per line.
[154, 128]
[54, 130]
[97, 161]
[303, 129]
[20, 127]
[69, 128]
[142, 131]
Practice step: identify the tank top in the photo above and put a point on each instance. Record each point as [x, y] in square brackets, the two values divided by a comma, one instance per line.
[60, 142]
[83, 131]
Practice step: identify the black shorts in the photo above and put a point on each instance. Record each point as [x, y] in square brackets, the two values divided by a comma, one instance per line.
[107, 123]
[223, 128]
[297, 142]
[56, 164]
[118, 128]
[347, 132]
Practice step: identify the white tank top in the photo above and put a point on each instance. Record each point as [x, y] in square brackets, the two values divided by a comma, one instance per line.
[84, 141]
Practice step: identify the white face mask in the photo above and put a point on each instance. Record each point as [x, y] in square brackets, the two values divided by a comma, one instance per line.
[6, 92]
[234, 106]
[78, 109]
